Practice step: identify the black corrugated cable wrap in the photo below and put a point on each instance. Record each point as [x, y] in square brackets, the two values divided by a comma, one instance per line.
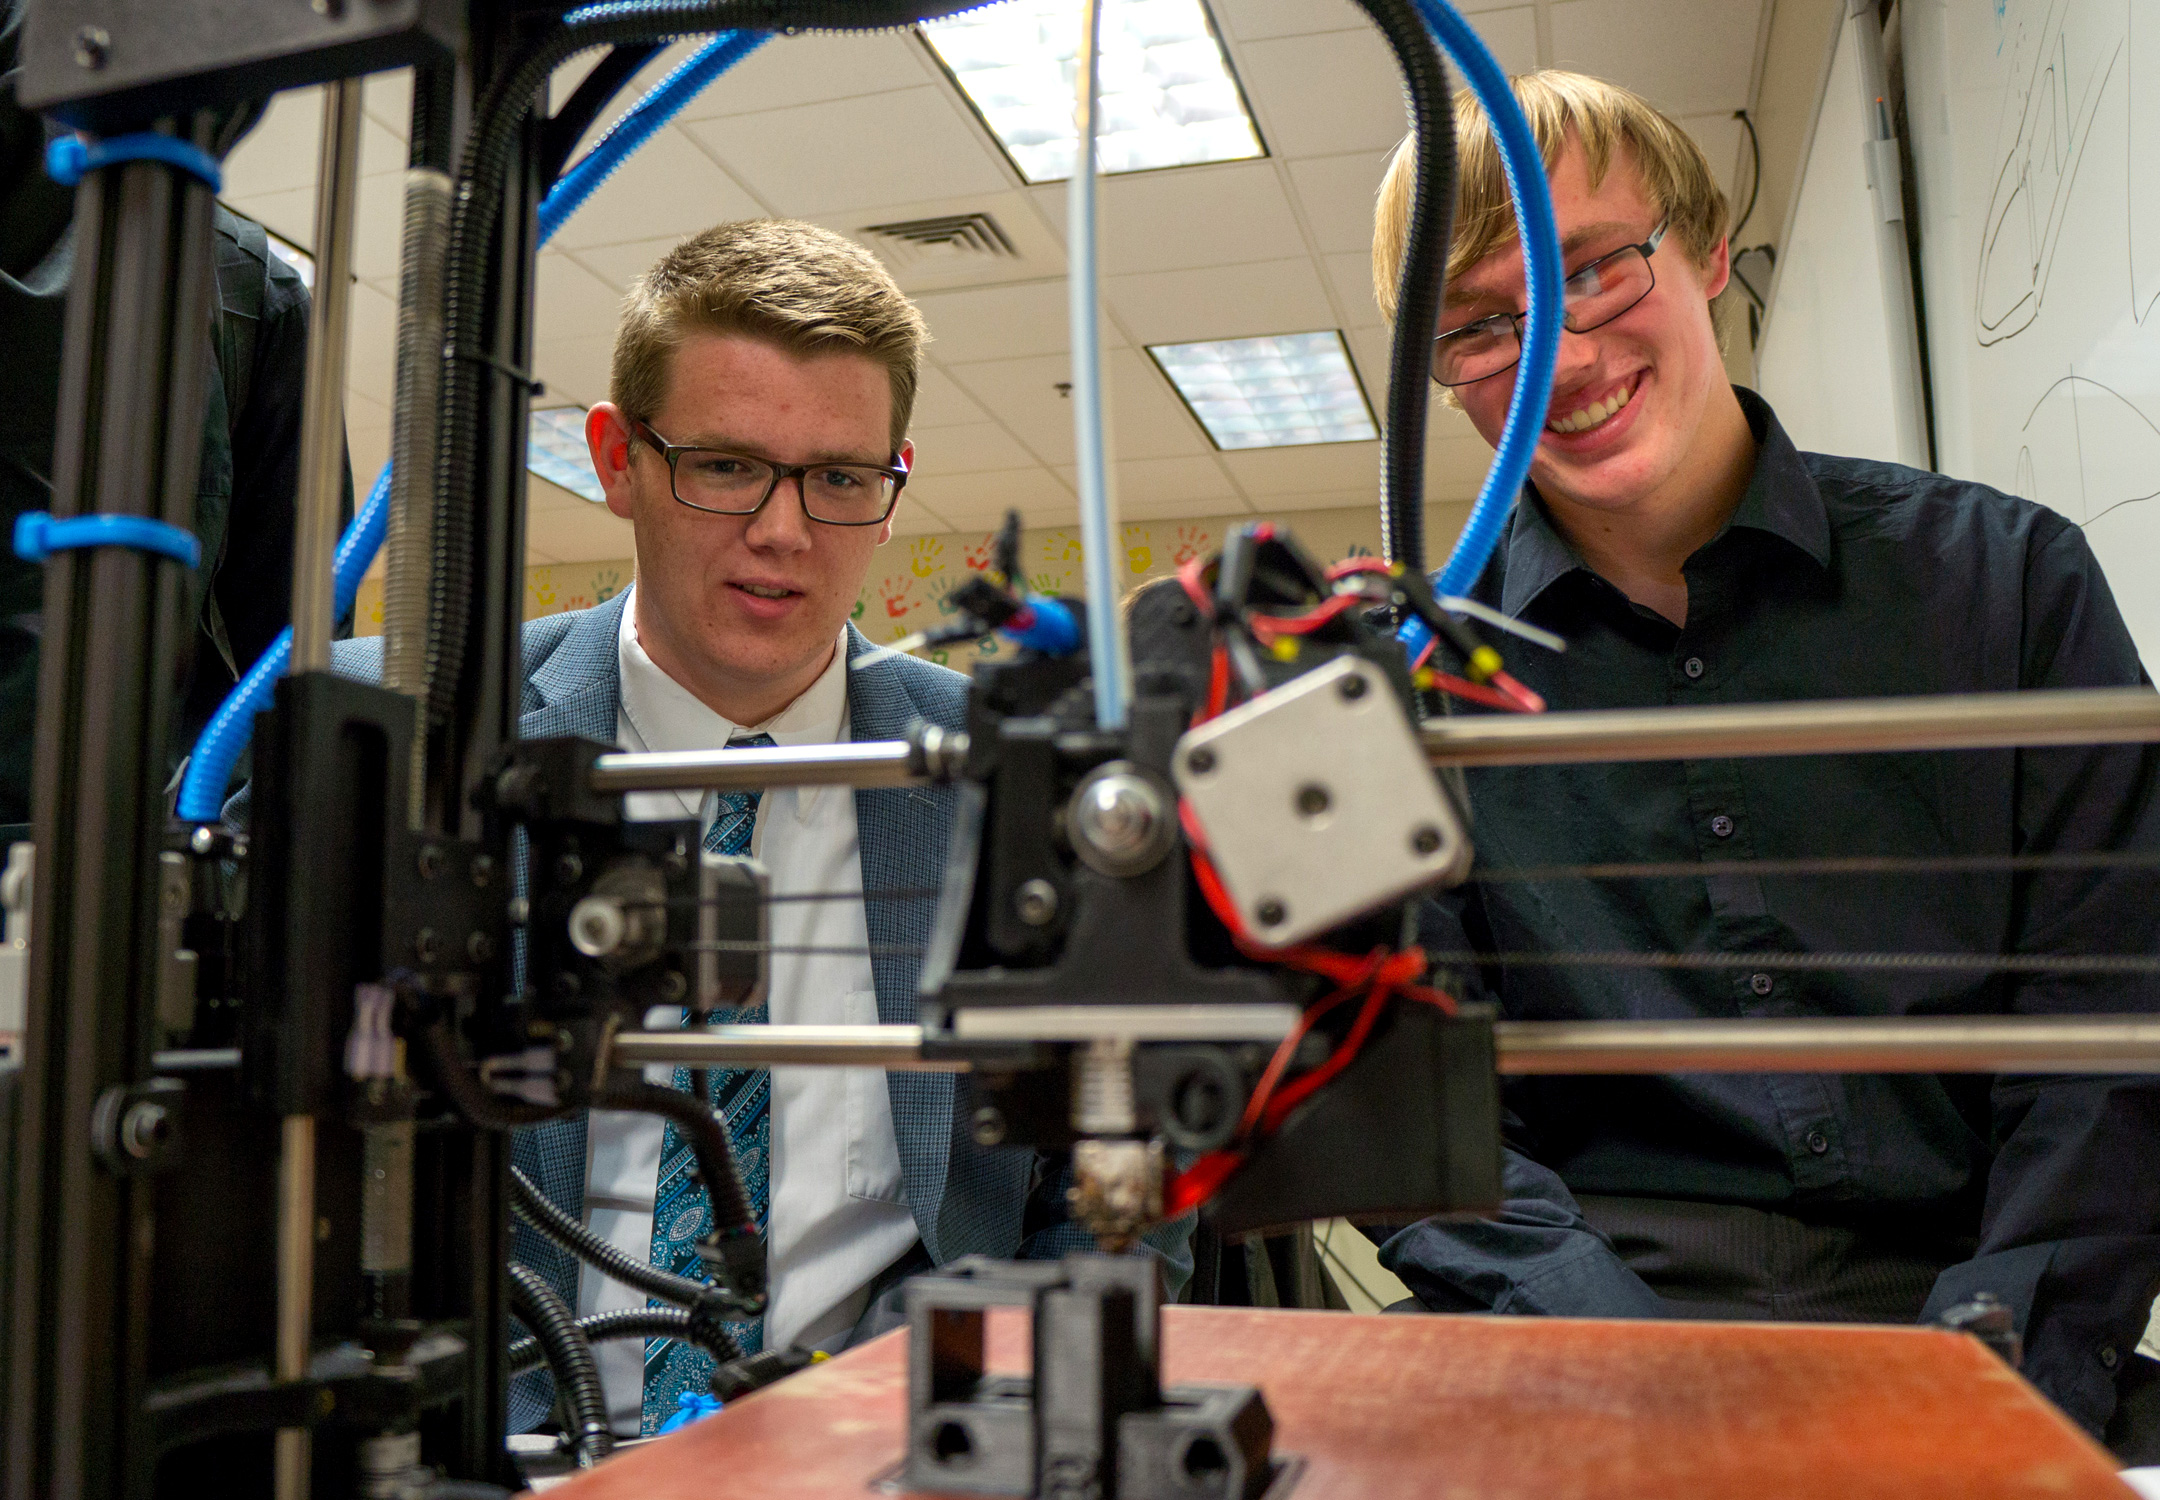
[1422, 284]
[569, 1358]
[477, 204]
[475, 1102]
[708, 1142]
[533, 1206]
[622, 1323]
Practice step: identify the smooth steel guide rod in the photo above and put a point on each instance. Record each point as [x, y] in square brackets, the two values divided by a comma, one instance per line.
[1968, 721]
[1890, 1044]
[1972, 721]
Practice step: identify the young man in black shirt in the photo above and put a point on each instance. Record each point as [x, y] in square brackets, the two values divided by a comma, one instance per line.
[1690, 554]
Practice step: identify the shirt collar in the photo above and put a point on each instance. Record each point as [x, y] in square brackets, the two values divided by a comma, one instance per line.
[1781, 500]
[668, 716]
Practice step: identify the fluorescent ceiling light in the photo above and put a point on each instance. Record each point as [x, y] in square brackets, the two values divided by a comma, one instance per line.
[1271, 392]
[555, 450]
[1168, 96]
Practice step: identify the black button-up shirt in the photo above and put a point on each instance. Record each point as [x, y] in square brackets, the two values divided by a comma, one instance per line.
[1835, 578]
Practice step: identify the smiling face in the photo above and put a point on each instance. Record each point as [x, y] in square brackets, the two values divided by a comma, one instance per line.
[1633, 401]
[745, 611]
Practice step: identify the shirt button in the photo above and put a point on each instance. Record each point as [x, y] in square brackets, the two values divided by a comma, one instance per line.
[1722, 826]
[1692, 666]
[1761, 984]
[1817, 1142]
[2108, 1356]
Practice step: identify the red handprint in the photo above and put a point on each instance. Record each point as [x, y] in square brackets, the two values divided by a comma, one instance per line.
[896, 599]
[977, 558]
[1191, 542]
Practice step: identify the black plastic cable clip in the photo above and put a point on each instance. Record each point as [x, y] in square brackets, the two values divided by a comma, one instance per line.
[38, 535]
[69, 158]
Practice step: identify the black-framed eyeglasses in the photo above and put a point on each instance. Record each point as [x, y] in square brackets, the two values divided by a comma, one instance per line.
[735, 484]
[1592, 297]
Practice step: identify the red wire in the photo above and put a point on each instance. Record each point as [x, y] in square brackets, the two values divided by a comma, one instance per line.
[1266, 628]
[1350, 565]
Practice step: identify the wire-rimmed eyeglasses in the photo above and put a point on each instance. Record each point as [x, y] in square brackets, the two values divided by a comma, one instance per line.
[1592, 297]
[735, 484]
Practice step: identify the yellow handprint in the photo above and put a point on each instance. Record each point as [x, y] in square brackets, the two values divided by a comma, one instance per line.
[1138, 555]
[923, 556]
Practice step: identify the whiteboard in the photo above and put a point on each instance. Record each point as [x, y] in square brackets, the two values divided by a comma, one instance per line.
[1837, 358]
[2036, 132]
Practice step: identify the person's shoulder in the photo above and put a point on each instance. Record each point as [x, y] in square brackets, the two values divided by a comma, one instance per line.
[567, 649]
[1868, 498]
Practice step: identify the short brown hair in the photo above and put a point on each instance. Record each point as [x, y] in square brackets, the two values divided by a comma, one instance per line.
[803, 288]
[1604, 117]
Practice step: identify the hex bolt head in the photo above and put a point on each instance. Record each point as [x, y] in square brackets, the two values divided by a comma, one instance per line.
[93, 44]
[1201, 761]
[1313, 800]
[1426, 840]
[1271, 912]
[479, 947]
[427, 947]
[430, 861]
[144, 1128]
[569, 869]
[990, 1127]
[1036, 902]
[1352, 687]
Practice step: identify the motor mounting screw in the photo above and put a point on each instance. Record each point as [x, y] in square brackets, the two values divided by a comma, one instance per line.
[1271, 912]
[1426, 840]
[990, 1127]
[568, 869]
[1352, 687]
[431, 861]
[93, 44]
[144, 1129]
[1200, 762]
[1036, 902]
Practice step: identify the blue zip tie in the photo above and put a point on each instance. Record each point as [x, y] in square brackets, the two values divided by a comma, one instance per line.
[38, 536]
[69, 157]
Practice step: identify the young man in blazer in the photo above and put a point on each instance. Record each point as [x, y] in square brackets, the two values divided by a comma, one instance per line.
[756, 440]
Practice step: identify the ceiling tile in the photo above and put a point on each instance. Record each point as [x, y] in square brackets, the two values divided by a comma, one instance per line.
[619, 265]
[574, 370]
[1001, 322]
[916, 518]
[1257, 20]
[669, 188]
[1176, 508]
[1316, 468]
[1147, 419]
[1337, 194]
[1370, 351]
[371, 350]
[1724, 143]
[1145, 482]
[973, 449]
[1326, 94]
[592, 533]
[1192, 216]
[1684, 56]
[571, 302]
[1221, 302]
[387, 99]
[967, 501]
[857, 153]
[1038, 251]
[813, 68]
[1351, 274]
[939, 402]
[1511, 32]
[282, 150]
[1278, 506]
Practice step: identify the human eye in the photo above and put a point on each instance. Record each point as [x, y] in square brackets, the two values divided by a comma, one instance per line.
[840, 478]
[718, 467]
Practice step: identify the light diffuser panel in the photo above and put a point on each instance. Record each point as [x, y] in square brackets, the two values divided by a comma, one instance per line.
[1271, 392]
[555, 450]
[1168, 96]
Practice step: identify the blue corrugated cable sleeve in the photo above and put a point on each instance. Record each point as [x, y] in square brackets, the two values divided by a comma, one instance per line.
[1045, 625]
[1542, 274]
[210, 768]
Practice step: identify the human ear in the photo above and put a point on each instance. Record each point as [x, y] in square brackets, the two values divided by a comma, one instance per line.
[607, 439]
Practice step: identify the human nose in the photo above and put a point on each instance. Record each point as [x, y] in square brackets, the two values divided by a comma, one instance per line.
[781, 523]
[1577, 353]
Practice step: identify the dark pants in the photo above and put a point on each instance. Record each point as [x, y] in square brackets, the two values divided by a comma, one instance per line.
[1716, 1260]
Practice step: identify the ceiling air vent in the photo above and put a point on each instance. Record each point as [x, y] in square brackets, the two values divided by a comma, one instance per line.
[949, 241]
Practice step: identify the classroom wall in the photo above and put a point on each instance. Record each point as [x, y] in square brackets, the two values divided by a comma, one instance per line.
[912, 578]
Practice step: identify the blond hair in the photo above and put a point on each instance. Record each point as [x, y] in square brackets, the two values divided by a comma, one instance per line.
[792, 284]
[1604, 117]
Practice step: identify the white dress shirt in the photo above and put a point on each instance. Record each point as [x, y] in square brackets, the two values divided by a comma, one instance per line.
[838, 1215]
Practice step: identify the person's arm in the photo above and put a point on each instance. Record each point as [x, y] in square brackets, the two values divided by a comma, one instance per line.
[2070, 1232]
[1537, 1254]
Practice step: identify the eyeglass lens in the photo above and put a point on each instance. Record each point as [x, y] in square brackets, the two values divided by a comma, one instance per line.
[843, 494]
[1592, 297]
